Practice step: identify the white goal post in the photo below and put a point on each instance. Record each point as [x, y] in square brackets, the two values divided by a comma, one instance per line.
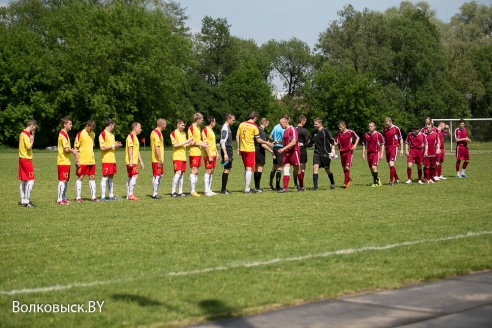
[451, 120]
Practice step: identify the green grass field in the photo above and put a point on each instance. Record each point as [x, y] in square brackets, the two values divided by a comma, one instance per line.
[176, 262]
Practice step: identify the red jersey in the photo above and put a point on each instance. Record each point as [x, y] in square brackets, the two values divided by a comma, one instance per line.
[392, 136]
[345, 140]
[373, 141]
[416, 141]
[460, 134]
[424, 129]
[291, 134]
[432, 142]
[440, 134]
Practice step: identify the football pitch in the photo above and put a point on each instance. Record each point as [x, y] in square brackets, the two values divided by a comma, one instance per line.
[175, 262]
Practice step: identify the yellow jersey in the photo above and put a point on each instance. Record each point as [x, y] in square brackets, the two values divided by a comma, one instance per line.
[156, 141]
[247, 132]
[208, 136]
[194, 133]
[132, 142]
[84, 142]
[63, 158]
[24, 143]
[179, 153]
[106, 138]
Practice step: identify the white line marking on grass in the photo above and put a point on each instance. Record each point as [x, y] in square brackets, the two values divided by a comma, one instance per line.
[239, 265]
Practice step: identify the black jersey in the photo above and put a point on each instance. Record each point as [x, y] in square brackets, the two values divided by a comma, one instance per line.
[322, 141]
[303, 136]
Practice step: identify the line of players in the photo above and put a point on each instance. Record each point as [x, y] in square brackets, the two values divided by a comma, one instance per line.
[287, 144]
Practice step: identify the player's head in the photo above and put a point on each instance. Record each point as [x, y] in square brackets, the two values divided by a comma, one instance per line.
[211, 121]
[264, 122]
[427, 120]
[415, 129]
[230, 119]
[372, 126]
[31, 125]
[287, 117]
[90, 125]
[253, 115]
[461, 123]
[180, 124]
[301, 119]
[388, 122]
[66, 123]
[342, 125]
[198, 118]
[284, 123]
[318, 123]
[109, 123]
[428, 126]
[136, 128]
[161, 123]
[442, 126]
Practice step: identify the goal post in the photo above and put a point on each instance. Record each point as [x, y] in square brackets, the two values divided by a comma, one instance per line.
[483, 134]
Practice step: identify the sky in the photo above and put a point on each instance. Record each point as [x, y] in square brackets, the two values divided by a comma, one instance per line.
[263, 20]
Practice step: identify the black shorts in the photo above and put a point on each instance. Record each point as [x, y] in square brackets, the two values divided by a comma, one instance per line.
[303, 155]
[260, 157]
[322, 161]
[278, 156]
[227, 165]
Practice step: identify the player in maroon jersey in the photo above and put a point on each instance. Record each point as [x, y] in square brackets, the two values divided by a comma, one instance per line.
[292, 154]
[415, 147]
[373, 142]
[431, 154]
[393, 139]
[442, 130]
[462, 154]
[347, 141]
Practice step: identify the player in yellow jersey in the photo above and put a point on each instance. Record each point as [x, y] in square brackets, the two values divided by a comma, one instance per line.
[179, 142]
[157, 149]
[195, 151]
[247, 134]
[210, 155]
[108, 145]
[65, 151]
[132, 157]
[26, 169]
[84, 142]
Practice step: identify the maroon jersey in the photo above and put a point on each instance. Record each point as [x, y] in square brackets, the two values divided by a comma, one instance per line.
[416, 141]
[440, 134]
[346, 140]
[392, 136]
[373, 141]
[291, 134]
[432, 143]
[460, 134]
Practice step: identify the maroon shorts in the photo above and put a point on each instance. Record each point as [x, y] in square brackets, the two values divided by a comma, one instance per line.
[63, 172]
[156, 170]
[210, 165]
[415, 155]
[373, 159]
[86, 170]
[462, 153]
[346, 158]
[292, 157]
[248, 158]
[391, 154]
[108, 169]
[132, 170]
[179, 166]
[26, 169]
[195, 161]
[440, 157]
[430, 161]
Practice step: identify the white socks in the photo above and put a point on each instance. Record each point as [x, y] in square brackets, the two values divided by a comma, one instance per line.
[25, 189]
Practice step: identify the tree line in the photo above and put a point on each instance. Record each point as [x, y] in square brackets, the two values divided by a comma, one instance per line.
[136, 60]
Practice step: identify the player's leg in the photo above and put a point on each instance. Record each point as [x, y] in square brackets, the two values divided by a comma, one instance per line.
[286, 169]
[315, 174]
[409, 169]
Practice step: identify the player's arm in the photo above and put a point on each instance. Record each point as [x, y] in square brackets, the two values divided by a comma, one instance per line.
[157, 150]
[363, 151]
[357, 139]
[130, 155]
[265, 146]
[263, 142]
[401, 146]
[237, 142]
[141, 162]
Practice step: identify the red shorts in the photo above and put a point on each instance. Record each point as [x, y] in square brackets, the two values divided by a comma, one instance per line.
[249, 158]
[210, 165]
[440, 157]
[430, 161]
[132, 170]
[415, 155]
[346, 158]
[373, 159]
[391, 154]
[179, 166]
[292, 157]
[63, 172]
[156, 170]
[195, 161]
[108, 169]
[86, 170]
[462, 153]
[26, 169]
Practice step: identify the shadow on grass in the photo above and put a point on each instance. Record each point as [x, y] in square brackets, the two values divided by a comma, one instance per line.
[140, 300]
[216, 309]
